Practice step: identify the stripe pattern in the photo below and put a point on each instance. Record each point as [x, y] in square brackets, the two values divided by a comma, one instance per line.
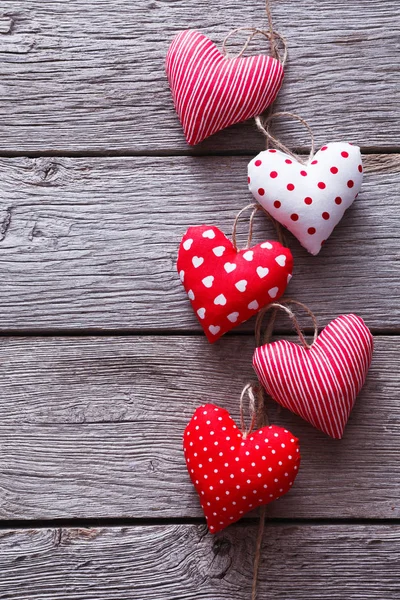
[211, 91]
[319, 384]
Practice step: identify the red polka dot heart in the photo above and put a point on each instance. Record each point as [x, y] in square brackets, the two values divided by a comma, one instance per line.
[228, 286]
[308, 199]
[233, 474]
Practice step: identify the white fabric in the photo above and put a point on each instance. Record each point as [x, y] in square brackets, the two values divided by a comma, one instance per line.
[308, 199]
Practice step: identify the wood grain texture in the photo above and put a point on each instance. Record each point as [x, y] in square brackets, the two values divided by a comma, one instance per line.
[92, 243]
[183, 562]
[89, 76]
[93, 427]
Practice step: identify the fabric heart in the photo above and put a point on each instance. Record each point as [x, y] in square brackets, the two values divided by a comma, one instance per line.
[319, 384]
[225, 286]
[211, 91]
[308, 199]
[234, 474]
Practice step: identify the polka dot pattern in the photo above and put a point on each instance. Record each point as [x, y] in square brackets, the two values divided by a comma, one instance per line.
[227, 287]
[245, 473]
[312, 197]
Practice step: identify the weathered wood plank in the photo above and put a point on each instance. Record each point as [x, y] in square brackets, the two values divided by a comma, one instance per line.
[184, 563]
[82, 76]
[92, 242]
[93, 427]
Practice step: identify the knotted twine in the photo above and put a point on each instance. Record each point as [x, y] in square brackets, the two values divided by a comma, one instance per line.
[264, 123]
[259, 418]
[265, 127]
[256, 208]
[255, 392]
[271, 35]
[283, 305]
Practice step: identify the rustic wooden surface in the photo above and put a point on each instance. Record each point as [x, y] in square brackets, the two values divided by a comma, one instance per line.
[100, 235]
[101, 360]
[356, 562]
[100, 420]
[88, 75]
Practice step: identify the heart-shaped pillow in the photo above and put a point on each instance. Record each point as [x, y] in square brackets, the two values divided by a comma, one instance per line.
[211, 91]
[319, 383]
[233, 474]
[308, 199]
[226, 286]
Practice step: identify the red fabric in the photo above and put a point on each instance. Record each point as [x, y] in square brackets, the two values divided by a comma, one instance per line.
[319, 384]
[210, 91]
[228, 287]
[233, 475]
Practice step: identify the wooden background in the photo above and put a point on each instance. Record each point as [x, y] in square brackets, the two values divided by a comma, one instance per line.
[102, 361]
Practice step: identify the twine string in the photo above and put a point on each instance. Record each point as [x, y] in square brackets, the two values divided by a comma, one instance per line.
[274, 307]
[259, 416]
[264, 127]
[283, 305]
[256, 207]
[274, 50]
[271, 35]
[256, 394]
[257, 554]
[248, 389]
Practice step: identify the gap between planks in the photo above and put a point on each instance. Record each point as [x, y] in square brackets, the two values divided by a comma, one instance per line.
[137, 522]
[191, 152]
[104, 332]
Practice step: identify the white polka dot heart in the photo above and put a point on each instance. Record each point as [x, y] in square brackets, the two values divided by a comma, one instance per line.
[311, 199]
[233, 474]
[228, 286]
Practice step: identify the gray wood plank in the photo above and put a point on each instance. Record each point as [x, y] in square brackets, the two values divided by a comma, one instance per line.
[182, 562]
[92, 243]
[92, 427]
[89, 76]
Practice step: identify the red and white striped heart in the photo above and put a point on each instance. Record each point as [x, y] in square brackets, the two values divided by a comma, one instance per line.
[211, 91]
[233, 474]
[308, 199]
[225, 286]
[319, 383]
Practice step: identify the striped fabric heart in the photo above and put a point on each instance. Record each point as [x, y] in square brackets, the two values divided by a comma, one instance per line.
[211, 91]
[320, 384]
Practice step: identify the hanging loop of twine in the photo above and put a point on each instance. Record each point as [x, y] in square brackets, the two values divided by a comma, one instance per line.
[283, 305]
[256, 207]
[258, 416]
[263, 415]
[271, 36]
[264, 126]
[248, 389]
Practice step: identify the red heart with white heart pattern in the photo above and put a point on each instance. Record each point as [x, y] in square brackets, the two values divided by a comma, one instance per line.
[225, 286]
[234, 474]
[308, 199]
[211, 91]
[319, 383]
